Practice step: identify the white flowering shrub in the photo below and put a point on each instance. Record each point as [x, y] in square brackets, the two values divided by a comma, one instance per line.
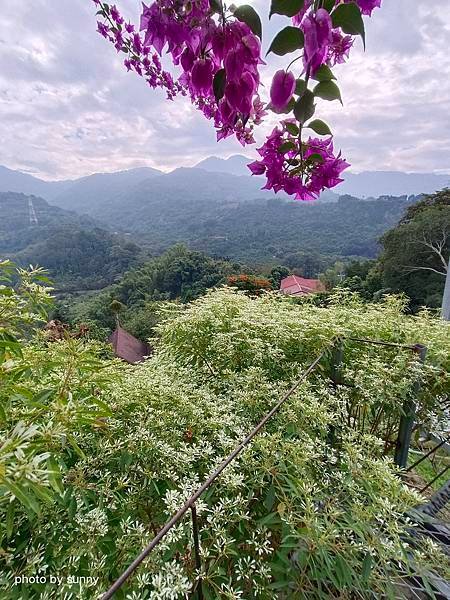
[312, 508]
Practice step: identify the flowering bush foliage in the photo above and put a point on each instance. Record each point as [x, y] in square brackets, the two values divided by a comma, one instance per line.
[218, 51]
[123, 447]
[249, 283]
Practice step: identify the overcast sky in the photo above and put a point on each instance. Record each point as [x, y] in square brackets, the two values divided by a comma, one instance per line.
[68, 107]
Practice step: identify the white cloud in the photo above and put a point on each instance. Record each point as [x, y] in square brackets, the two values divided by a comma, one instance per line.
[68, 107]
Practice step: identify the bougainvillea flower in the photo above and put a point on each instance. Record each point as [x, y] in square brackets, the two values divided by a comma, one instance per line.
[234, 65]
[317, 31]
[202, 75]
[298, 18]
[282, 88]
[322, 167]
[339, 48]
[204, 43]
[367, 6]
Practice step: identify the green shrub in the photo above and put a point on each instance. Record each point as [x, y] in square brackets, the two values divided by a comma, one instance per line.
[294, 516]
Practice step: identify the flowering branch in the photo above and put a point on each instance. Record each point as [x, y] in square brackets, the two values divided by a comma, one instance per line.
[218, 51]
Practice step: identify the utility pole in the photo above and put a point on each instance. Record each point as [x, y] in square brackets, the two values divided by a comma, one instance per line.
[446, 297]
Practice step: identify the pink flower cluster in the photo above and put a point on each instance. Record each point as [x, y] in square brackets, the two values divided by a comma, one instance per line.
[323, 43]
[298, 168]
[139, 59]
[219, 56]
[202, 48]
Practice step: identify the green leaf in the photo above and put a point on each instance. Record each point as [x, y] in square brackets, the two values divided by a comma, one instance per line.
[26, 499]
[54, 475]
[316, 157]
[323, 73]
[304, 108]
[104, 407]
[2, 413]
[289, 8]
[279, 585]
[269, 520]
[300, 86]
[319, 127]
[292, 128]
[247, 14]
[348, 17]
[72, 508]
[328, 5]
[41, 397]
[287, 40]
[42, 493]
[75, 446]
[367, 567]
[9, 522]
[270, 497]
[285, 148]
[327, 90]
[219, 82]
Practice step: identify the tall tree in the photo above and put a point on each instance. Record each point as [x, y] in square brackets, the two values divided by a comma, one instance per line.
[415, 255]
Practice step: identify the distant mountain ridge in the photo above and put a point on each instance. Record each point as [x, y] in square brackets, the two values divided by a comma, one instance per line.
[372, 184]
[73, 194]
[98, 190]
[234, 165]
[368, 184]
[22, 183]
[93, 194]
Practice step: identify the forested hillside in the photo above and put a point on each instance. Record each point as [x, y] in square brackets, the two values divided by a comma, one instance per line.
[248, 227]
[179, 274]
[82, 258]
[16, 230]
[77, 253]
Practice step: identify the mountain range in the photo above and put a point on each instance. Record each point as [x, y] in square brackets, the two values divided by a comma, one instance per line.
[214, 206]
[95, 194]
[368, 184]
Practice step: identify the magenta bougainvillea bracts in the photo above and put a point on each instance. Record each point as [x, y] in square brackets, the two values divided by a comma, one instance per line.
[216, 55]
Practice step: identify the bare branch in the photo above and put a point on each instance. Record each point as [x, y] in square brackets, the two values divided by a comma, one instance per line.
[437, 247]
[410, 269]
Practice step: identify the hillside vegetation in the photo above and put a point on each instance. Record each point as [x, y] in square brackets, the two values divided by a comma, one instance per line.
[77, 253]
[229, 216]
[179, 274]
[416, 253]
[97, 456]
[16, 231]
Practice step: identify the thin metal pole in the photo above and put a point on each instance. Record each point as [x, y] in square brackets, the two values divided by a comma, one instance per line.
[436, 478]
[198, 564]
[407, 419]
[427, 455]
[337, 356]
[336, 362]
[381, 343]
[196, 495]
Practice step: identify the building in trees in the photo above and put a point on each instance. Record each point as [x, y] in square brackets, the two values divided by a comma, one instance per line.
[299, 286]
[127, 347]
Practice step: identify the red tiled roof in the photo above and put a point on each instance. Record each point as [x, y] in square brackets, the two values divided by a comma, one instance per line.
[127, 347]
[298, 286]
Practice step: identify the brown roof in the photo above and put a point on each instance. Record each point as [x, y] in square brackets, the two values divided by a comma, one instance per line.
[127, 347]
[298, 286]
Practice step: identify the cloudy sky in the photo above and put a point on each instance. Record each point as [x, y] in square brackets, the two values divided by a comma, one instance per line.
[68, 107]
